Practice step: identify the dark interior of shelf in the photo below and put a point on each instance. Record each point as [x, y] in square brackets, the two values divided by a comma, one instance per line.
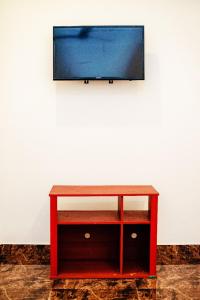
[88, 216]
[136, 250]
[78, 254]
[88, 267]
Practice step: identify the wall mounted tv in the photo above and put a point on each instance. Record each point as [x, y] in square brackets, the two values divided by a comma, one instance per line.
[98, 53]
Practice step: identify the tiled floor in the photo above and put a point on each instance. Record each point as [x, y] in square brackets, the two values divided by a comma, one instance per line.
[19, 282]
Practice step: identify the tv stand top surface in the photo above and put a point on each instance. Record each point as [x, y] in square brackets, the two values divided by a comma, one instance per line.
[103, 190]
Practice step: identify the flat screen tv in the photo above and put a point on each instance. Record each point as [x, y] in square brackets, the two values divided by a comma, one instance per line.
[98, 52]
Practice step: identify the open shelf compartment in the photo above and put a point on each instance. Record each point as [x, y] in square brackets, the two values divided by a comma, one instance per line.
[136, 244]
[136, 210]
[88, 249]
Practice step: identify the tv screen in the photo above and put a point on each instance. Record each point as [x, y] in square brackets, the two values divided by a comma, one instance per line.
[98, 52]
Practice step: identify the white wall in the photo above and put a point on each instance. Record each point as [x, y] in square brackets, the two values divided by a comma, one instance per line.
[126, 133]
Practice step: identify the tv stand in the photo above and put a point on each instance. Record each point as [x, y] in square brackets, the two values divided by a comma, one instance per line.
[103, 243]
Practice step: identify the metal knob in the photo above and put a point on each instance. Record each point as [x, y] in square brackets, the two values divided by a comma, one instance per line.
[87, 235]
[133, 235]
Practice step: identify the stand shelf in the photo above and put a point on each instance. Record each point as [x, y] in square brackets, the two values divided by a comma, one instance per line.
[88, 217]
[106, 243]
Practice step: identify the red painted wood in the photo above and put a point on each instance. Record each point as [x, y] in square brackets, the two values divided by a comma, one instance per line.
[121, 216]
[109, 252]
[121, 207]
[153, 233]
[136, 217]
[103, 190]
[88, 217]
[53, 235]
[121, 256]
[103, 217]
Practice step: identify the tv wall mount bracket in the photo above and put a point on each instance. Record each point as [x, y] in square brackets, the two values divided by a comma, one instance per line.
[87, 81]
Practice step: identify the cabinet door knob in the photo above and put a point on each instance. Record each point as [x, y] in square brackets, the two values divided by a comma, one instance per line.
[87, 235]
[133, 235]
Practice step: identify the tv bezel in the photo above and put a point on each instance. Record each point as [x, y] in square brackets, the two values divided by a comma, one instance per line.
[101, 78]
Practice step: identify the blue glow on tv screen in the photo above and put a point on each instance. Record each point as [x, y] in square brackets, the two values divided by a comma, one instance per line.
[98, 52]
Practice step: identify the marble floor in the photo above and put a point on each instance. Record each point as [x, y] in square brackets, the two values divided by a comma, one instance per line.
[28, 282]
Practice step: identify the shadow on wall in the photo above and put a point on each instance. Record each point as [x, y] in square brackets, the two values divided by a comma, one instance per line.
[121, 104]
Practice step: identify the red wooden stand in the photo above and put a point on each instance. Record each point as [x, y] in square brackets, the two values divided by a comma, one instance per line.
[103, 244]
